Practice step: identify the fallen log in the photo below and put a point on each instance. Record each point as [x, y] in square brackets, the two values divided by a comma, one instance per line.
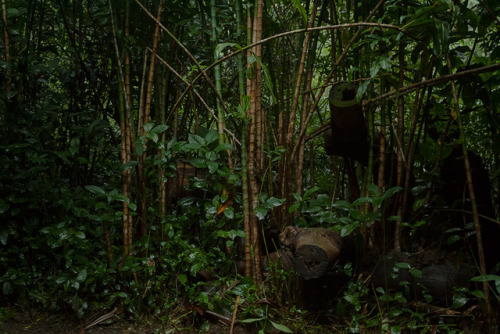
[314, 250]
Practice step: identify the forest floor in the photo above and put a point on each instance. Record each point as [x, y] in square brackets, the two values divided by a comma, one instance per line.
[18, 321]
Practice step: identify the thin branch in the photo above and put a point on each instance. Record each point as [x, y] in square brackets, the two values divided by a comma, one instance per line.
[410, 88]
[330, 76]
[202, 72]
[190, 86]
[434, 81]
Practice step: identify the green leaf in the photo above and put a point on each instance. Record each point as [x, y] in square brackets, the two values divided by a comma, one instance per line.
[182, 278]
[212, 166]
[82, 275]
[229, 213]
[293, 207]
[236, 233]
[309, 192]
[301, 9]
[402, 265]
[148, 127]
[130, 164]
[159, 128]
[80, 235]
[4, 206]
[274, 202]
[152, 136]
[281, 327]
[486, 278]
[348, 229]
[343, 205]
[220, 47]
[95, 190]
[211, 136]
[139, 147]
[223, 147]
[249, 321]
[260, 212]
[362, 201]
[7, 288]
[391, 191]
[195, 139]
[268, 80]
[416, 273]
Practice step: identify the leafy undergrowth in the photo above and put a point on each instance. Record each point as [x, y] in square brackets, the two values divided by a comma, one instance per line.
[358, 308]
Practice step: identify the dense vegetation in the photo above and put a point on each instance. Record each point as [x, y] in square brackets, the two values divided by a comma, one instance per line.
[106, 103]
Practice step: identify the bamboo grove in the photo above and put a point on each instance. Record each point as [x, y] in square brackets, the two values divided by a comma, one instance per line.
[116, 88]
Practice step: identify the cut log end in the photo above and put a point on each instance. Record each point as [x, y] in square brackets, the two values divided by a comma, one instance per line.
[311, 261]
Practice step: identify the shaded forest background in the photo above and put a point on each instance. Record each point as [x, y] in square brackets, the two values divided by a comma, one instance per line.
[150, 146]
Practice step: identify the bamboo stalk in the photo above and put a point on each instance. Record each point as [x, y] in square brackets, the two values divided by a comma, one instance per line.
[156, 38]
[6, 45]
[472, 195]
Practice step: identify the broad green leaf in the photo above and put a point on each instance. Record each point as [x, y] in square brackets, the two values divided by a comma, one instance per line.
[130, 164]
[182, 278]
[212, 166]
[80, 235]
[274, 202]
[402, 265]
[159, 128]
[223, 147]
[348, 229]
[152, 136]
[195, 139]
[229, 213]
[210, 137]
[95, 190]
[343, 205]
[311, 191]
[198, 163]
[486, 278]
[390, 192]
[362, 201]
[148, 126]
[260, 212]
[236, 233]
[82, 275]
[293, 207]
[139, 147]
[281, 327]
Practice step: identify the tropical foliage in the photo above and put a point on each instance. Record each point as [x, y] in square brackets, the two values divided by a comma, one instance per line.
[106, 103]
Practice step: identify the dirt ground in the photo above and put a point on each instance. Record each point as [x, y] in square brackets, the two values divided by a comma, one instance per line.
[36, 322]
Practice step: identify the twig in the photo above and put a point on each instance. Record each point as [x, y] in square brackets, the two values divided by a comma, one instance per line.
[435, 81]
[202, 71]
[115, 311]
[411, 88]
[234, 314]
[190, 86]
